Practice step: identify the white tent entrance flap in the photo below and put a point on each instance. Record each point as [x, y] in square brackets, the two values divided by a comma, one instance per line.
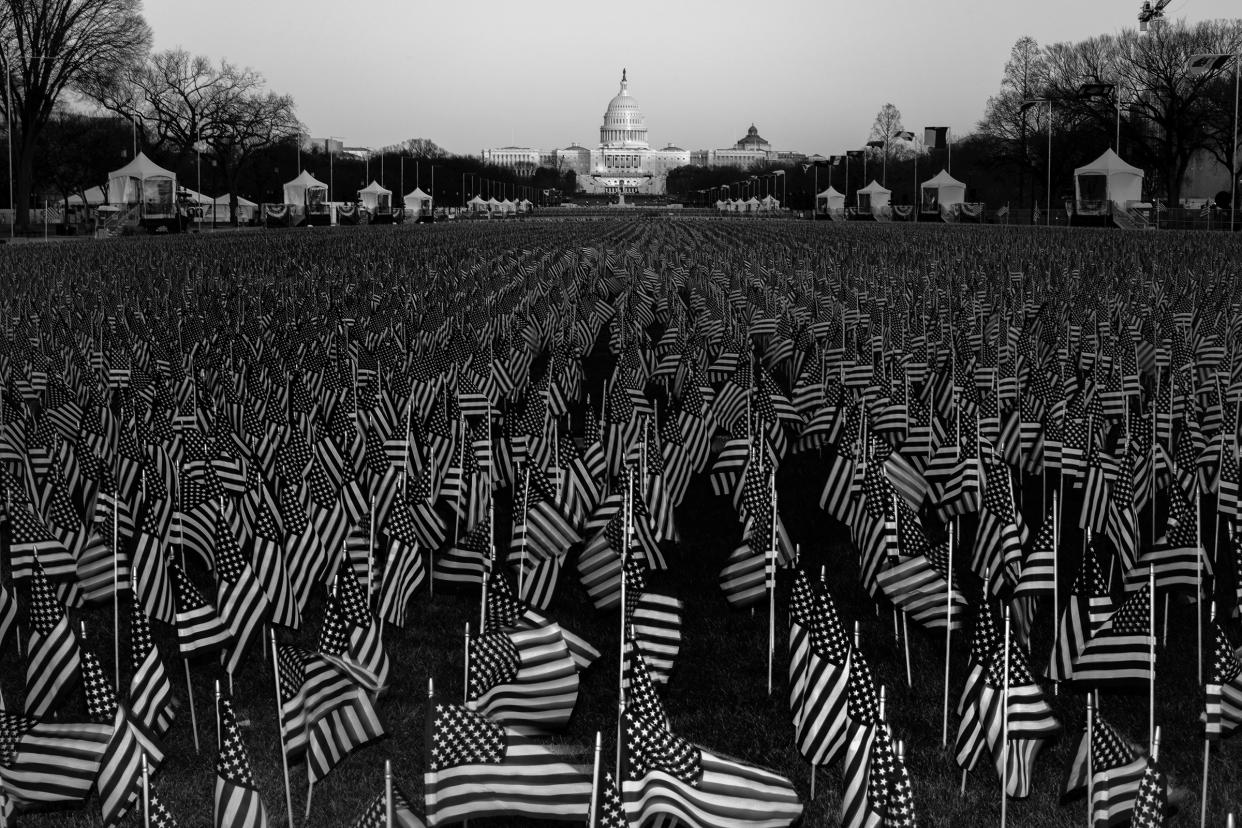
[1106, 181]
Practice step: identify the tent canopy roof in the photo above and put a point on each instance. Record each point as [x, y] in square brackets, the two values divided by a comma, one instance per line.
[831, 192]
[376, 188]
[1108, 163]
[417, 194]
[142, 167]
[308, 181]
[942, 179]
[875, 187]
[241, 202]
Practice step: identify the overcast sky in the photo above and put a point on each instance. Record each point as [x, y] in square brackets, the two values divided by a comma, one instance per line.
[811, 74]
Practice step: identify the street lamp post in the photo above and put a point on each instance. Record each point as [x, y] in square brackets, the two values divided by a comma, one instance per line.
[327, 145]
[1096, 89]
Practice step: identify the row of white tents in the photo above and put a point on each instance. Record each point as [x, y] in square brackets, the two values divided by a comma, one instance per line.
[1108, 180]
[750, 205]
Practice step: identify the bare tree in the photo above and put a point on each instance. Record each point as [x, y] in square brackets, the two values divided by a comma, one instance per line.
[1025, 73]
[183, 100]
[50, 46]
[885, 130]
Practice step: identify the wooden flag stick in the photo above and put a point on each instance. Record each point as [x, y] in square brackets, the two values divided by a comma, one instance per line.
[1151, 652]
[1090, 751]
[389, 816]
[525, 529]
[371, 557]
[146, 792]
[116, 592]
[219, 736]
[284, 758]
[189, 691]
[771, 582]
[625, 525]
[948, 637]
[1004, 768]
[593, 809]
[465, 677]
[1203, 794]
[1199, 587]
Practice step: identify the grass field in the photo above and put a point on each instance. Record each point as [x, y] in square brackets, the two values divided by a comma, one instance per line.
[717, 696]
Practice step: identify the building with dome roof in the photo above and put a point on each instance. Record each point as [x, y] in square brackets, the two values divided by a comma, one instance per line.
[624, 162]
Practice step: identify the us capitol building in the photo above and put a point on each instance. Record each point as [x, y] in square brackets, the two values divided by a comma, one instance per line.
[625, 162]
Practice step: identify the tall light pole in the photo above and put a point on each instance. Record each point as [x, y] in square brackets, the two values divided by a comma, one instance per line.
[327, 145]
[1027, 104]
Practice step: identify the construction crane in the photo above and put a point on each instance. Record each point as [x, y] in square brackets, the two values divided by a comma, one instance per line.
[1150, 12]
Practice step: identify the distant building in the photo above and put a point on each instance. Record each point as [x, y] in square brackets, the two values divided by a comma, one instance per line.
[331, 146]
[624, 161]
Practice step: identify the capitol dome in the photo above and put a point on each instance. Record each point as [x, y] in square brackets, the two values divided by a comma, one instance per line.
[624, 125]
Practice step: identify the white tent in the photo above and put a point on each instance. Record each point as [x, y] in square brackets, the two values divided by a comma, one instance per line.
[722, 205]
[417, 200]
[306, 191]
[94, 196]
[477, 205]
[375, 197]
[492, 205]
[1107, 179]
[942, 190]
[830, 200]
[145, 183]
[873, 197]
[750, 205]
[508, 206]
[524, 205]
[220, 210]
[769, 203]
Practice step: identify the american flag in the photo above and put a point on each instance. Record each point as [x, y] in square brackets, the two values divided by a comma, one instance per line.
[53, 665]
[478, 768]
[267, 560]
[325, 713]
[1114, 760]
[1151, 801]
[1030, 719]
[120, 773]
[1223, 699]
[1039, 561]
[237, 802]
[49, 763]
[663, 774]
[1117, 654]
[818, 673]
[654, 619]
[351, 634]
[504, 611]
[404, 570]
[376, 814]
[29, 537]
[863, 708]
[971, 737]
[153, 583]
[524, 677]
[150, 691]
[243, 604]
[199, 628]
[1177, 557]
[1087, 606]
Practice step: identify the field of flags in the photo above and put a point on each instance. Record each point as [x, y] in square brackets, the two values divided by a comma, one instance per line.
[621, 523]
